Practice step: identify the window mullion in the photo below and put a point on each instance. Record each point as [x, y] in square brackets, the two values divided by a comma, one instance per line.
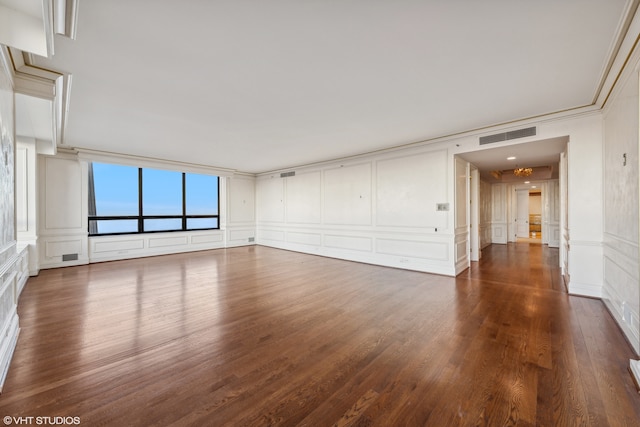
[140, 211]
[184, 201]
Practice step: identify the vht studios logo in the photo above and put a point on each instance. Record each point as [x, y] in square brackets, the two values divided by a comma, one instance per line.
[41, 421]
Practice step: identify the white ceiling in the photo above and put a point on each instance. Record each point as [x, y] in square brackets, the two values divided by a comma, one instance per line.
[259, 86]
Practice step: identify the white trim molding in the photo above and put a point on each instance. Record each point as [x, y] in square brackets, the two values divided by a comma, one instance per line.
[139, 161]
[634, 368]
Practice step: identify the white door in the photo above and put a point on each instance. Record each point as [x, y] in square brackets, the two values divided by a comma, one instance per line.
[474, 211]
[522, 215]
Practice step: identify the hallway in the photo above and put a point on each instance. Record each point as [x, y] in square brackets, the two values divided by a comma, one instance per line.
[521, 264]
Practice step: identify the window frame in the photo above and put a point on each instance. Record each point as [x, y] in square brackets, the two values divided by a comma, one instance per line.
[140, 218]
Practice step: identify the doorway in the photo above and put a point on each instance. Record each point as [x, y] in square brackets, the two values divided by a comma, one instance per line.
[529, 216]
[522, 214]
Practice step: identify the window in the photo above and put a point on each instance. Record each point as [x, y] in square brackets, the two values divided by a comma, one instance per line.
[126, 199]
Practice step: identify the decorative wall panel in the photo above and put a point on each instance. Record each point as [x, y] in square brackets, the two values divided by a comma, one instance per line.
[304, 198]
[408, 189]
[159, 242]
[242, 206]
[353, 243]
[621, 292]
[310, 239]
[347, 195]
[270, 198]
[7, 147]
[63, 178]
[58, 248]
[271, 235]
[126, 244]
[414, 249]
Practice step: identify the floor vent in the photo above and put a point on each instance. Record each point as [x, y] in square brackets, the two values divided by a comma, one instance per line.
[70, 257]
[506, 136]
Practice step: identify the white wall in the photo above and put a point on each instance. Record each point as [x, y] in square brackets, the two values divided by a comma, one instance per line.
[239, 220]
[13, 259]
[63, 224]
[378, 209]
[62, 211]
[585, 201]
[621, 290]
[26, 199]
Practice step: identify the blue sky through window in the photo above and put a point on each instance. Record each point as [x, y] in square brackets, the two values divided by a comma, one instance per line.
[161, 192]
[202, 194]
[116, 194]
[116, 189]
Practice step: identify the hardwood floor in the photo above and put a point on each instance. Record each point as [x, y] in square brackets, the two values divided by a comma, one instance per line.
[259, 336]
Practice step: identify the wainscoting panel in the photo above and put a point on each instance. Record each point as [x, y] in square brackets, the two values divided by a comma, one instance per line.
[462, 250]
[109, 248]
[236, 236]
[14, 272]
[160, 242]
[62, 251]
[310, 239]
[428, 250]
[585, 268]
[499, 232]
[620, 289]
[59, 248]
[352, 243]
[270, 235]
[217, 238]
[118, 245]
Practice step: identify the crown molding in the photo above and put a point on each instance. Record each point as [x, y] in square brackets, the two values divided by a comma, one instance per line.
[5, 63]
[150, 162]
[65, 17]
[625, 53]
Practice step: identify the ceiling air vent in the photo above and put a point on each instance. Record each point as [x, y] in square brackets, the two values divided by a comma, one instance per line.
[286, 174]
[506, 136]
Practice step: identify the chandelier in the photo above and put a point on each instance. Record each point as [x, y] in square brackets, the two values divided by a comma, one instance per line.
[522, 172]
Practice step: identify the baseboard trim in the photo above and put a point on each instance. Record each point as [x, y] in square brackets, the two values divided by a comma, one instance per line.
[634, 369]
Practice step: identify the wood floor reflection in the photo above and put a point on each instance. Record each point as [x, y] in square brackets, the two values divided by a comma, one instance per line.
[260, 336]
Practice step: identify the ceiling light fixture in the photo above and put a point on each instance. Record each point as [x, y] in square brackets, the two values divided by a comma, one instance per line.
[522, 172]
[511, 158]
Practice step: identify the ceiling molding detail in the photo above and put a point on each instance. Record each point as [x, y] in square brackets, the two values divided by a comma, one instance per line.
[627, 48]
[39, 84]
[65, 17]
[30, 25]
[618, 46]
[140, 161]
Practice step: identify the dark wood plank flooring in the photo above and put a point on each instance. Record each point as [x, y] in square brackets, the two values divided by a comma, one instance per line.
[259, 336]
